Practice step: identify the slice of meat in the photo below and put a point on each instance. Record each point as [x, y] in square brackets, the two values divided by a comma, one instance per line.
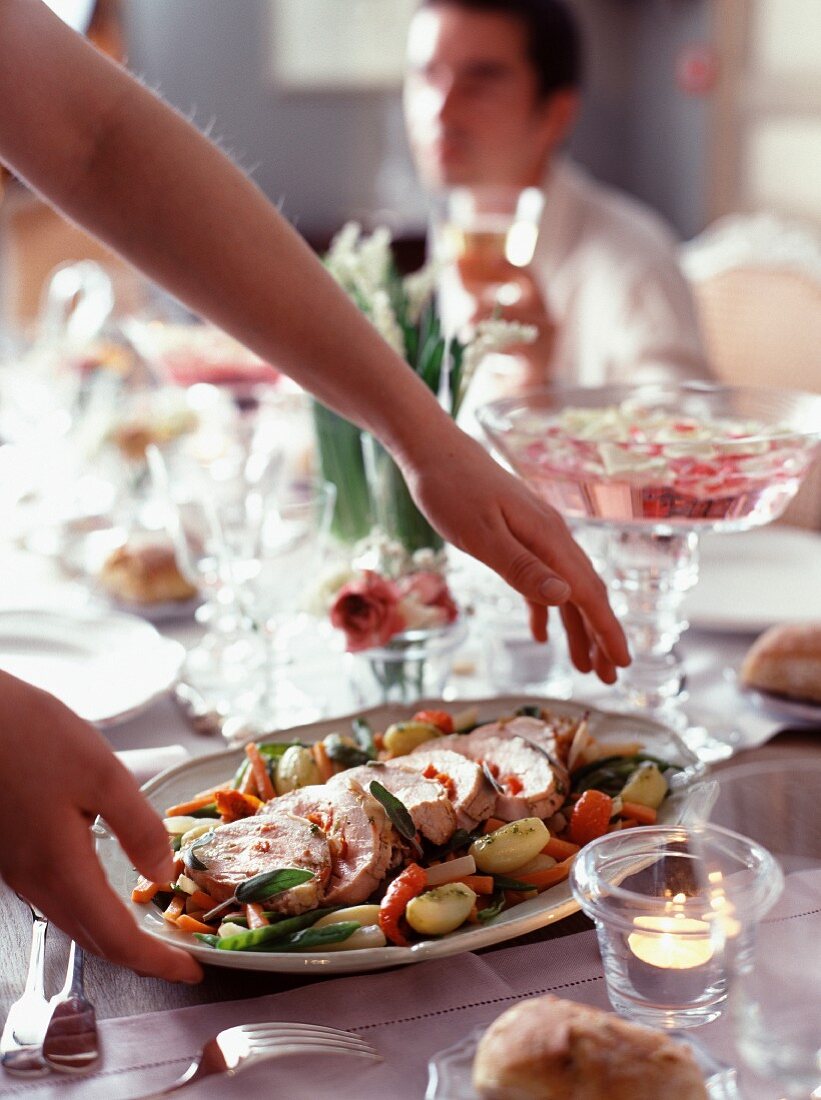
[463, 780]
[254, 845]
[533, 784]
[425, 800]
[359, 836]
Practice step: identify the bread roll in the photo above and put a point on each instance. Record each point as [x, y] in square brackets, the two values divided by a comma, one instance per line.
[786, 660]
[548, 1049]
[145, 574]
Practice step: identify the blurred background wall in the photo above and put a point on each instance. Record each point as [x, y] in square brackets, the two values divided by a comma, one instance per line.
[698, 107]
[330, 155]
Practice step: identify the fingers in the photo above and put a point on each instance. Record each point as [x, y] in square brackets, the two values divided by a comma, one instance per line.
[578, 642]
[546, 537]
[136, 825]
[103, 922]
[538, 621]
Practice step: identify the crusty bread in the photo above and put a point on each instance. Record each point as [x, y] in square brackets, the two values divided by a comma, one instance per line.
[786, 660]
[548, 1049]
[145, 574]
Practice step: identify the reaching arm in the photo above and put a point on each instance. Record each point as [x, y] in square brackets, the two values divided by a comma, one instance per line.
[131, 170]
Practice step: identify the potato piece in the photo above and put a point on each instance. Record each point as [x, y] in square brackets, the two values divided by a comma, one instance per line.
[511, 846]
[198, 830]
[365, 914]
[296, 768]
[403, 737]
[441, 910]
[646, 785]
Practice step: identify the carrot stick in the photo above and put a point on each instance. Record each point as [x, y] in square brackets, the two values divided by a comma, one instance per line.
[175, 908]
[256, 915]
[479, 884]
[492, 824]
[201, 900]
[549, 877]
[145, 890]
[260, 770]
[248, 785]
[559, 849]
[190, 924]
[323, 761]
[645, 815]
[197, 803]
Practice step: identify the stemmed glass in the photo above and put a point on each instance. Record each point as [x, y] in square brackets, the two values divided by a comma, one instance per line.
[647, 469]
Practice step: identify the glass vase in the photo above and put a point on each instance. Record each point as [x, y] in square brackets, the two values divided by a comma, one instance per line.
[339, 446]
[412, 665]
[394, 510]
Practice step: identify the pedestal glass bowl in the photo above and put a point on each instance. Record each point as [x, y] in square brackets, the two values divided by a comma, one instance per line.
[644, 470]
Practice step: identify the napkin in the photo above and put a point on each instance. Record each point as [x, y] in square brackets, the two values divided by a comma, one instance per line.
[144, 764]
[409, 1015]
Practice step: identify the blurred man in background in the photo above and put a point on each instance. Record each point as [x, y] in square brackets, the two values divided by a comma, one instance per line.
[491, 95]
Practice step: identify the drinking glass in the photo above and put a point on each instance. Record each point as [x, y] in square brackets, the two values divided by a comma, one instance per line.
[648, 469]
[672, 906]
[775, 988]
[489, 232]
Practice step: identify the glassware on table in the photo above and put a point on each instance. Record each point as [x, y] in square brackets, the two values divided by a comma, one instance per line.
[673, 906]
[775, 989]
[646, 469]
[413, 665]
[290, 544]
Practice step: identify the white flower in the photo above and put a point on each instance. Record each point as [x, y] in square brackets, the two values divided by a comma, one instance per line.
[492, 335]
[384, 320]
[419, 288]
[319, 599]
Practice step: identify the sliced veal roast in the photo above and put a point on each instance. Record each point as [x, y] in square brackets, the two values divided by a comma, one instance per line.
[253, 845]
[425, 800]
[463, 780]
[358, 833]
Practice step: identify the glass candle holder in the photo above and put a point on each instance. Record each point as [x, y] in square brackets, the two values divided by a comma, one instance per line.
[672, 907]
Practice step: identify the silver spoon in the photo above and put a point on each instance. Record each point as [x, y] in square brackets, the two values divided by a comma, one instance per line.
[71, 1044]
[22, 1039]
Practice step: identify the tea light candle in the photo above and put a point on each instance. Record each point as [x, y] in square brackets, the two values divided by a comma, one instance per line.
[670, 955]
[671, 943]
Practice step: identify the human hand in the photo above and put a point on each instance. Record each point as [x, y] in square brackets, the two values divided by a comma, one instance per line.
[59, 773]
[489, 513]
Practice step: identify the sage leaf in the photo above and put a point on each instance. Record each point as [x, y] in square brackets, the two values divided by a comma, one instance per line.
[269, 883]
[395, 809]
[190, 857]
[497, 904]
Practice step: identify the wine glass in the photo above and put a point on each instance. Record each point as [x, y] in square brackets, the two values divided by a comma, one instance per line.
[647, 469]
[287, 552]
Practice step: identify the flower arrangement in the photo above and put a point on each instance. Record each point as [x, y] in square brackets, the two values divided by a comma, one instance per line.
[372, 609]
[370, 488]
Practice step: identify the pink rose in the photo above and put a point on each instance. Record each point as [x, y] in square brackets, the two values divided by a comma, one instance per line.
[426, 600]
[367, 609]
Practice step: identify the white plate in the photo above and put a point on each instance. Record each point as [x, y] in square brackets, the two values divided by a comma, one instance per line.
[106, 667]
[752, 580]
[450, 1072]
[178, 784]
[790, 710]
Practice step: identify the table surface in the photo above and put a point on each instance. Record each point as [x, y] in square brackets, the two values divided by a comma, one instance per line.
[118, 992]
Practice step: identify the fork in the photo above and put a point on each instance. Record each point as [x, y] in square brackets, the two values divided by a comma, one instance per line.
[71, 1044]
[22, 1039]
[237, 1048]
